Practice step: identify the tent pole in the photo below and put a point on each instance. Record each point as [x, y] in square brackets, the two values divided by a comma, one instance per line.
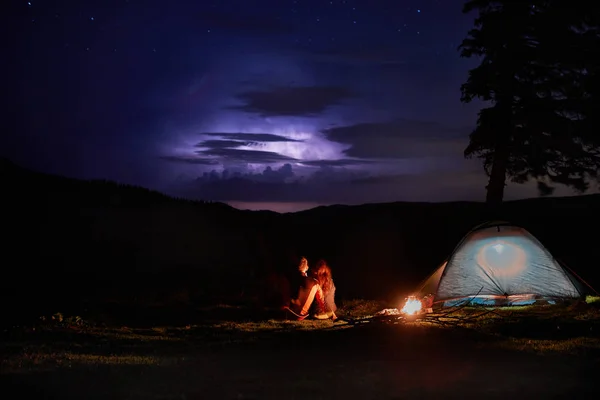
[564, 265]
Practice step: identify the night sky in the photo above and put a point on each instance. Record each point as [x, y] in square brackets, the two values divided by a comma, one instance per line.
[277, 104]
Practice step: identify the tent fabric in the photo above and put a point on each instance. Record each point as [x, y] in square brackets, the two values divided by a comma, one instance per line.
[515, 300]
[500, 260]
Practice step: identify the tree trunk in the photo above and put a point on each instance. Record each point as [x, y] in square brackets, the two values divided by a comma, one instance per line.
[497, 181]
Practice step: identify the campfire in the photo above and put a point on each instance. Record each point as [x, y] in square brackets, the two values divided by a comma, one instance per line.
[412, 306]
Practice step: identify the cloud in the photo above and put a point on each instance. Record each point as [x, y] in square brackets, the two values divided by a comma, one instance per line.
[305, 101]
[280, 184]
[336, 163]
[332, 185]
[234, 147]
[268, 175]
[342, 186]
[237, 23]
[252, 137]
[222, 144]
[189, 160]
[400, 139]
[245, 156]
[338, 185]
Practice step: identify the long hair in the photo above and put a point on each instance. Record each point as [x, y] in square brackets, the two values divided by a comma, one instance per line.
[322, 273]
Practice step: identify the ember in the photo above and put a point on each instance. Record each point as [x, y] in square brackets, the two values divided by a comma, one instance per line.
[389, 311]
[412, 306]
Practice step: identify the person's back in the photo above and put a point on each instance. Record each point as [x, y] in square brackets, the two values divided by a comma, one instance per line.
[326, 293]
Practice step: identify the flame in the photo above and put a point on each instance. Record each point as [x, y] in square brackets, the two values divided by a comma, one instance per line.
[412, 306]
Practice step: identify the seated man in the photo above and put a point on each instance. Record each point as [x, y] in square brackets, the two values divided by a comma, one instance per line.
[300, 306]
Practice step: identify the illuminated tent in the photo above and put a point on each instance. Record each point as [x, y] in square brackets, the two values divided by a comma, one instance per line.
[498, 263]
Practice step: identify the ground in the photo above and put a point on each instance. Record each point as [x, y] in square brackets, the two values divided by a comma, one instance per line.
[552, 353]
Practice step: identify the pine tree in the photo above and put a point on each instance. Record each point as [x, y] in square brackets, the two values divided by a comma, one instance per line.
[537, 73]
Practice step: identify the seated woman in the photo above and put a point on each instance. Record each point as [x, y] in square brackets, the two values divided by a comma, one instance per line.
[326, 307]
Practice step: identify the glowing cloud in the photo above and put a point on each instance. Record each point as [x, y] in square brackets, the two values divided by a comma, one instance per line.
[262, 144]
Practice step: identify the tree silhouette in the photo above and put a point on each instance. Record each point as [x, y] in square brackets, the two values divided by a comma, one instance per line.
[539, 71]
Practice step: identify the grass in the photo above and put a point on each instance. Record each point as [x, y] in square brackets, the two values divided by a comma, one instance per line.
[542, 330]
[592, 299]
[61, 341]
[38, 359]
[217, 356]
[572, 346]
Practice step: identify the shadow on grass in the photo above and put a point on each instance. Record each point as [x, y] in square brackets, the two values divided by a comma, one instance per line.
[558, 329]
[363, 361]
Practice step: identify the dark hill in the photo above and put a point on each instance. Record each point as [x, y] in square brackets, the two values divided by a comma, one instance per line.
[68, 240]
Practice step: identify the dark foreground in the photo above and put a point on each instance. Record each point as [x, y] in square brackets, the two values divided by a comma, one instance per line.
[310, 360]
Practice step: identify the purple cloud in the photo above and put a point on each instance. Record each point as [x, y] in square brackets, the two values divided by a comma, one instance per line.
[302, 101]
